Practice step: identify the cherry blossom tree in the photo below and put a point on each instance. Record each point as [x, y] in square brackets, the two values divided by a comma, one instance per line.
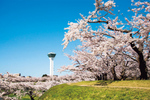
[113, 37]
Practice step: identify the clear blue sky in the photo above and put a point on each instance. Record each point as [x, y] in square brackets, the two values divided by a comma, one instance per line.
[30, 29]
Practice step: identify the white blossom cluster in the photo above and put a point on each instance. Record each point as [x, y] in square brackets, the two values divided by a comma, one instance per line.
[109, 3]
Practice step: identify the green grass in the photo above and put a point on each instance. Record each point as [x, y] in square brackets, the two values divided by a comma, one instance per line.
[28, 98]
[11, 95]
[75, 91]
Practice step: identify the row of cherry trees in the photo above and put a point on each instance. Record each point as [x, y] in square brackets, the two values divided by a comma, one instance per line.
[34, 87]
[111, 45]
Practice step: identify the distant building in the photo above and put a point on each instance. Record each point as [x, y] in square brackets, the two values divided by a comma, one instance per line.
[11, 75]
[55, 75]
[28, 76]
[17, 74]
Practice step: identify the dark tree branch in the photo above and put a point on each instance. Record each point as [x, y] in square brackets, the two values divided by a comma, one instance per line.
[121, 30]
[130, 57]
[148, 56]
[135, 48]
[99, 21]
[110, 28]
[108, 35]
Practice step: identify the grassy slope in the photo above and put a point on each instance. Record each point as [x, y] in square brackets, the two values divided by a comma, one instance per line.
[87, 91]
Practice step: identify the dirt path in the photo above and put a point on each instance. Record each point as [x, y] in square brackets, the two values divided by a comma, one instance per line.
[118, 87]
[115, 86]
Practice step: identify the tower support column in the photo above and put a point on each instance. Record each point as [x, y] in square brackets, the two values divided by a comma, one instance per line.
[51, 66]
[51, 57]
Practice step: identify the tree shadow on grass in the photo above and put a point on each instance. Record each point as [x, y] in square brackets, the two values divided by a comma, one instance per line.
[103, 82]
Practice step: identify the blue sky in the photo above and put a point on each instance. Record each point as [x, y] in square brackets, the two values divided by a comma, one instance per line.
[30, 29]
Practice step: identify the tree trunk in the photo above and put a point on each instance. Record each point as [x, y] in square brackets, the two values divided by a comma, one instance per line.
[104, 76]
[142, 66]
[141, 60]
[123, 77]
[31, 95]
[114, 73]
[98, 77]
[31, 98]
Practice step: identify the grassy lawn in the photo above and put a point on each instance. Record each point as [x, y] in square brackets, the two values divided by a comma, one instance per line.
[104, 90]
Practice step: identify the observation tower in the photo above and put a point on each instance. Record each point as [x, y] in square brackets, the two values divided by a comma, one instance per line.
[51, 56]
